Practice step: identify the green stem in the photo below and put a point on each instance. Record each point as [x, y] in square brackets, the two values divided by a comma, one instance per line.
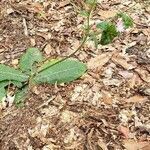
[84, 38]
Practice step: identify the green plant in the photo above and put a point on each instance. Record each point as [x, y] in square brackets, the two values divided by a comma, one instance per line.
[34, 69]
[29, 73]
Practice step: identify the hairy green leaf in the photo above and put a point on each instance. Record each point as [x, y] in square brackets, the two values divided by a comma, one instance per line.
[127, 20]
[84, 13]
[3, 84]
[8, 73]
[2, 89]
[2, 93]
[16, 83]
[21, 95]
[103, 25]
[109, 32]
[6, 82]
[62, 72]
[47, 64]
[29, 58]
[93, 37]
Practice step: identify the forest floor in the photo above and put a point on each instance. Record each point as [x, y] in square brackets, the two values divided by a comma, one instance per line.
[106, 109]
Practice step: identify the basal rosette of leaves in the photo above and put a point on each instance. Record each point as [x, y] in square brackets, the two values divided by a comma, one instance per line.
[29, 72]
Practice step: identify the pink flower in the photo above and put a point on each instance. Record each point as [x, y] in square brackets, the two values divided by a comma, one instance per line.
[120, 25]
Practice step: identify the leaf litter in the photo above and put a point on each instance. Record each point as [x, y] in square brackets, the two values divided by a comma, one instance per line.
[108, 108]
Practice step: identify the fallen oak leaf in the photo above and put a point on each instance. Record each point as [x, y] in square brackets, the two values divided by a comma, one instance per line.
[99, 61]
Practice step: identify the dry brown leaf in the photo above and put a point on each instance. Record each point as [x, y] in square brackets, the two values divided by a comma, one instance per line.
[124, 130]
[148, 67]
[43, 35]
[113, 82]
[75, 44]
[125, 74]
[99, 61]
[48, 49]
[107, 98]
[2, 50]
[147, 147]
[146, 31]
[9, 11]
[133, 145]
[107, 14]
[134, 81]
[67, 116]
[136, 99]
[117, 59]
[64, 3]
[35, 7]
[32, 41]
[102, 145]
[144, 74]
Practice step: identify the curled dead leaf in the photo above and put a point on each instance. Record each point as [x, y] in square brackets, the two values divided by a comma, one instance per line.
[99, 61]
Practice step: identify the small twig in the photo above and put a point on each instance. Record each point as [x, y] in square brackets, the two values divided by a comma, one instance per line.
[25, 27]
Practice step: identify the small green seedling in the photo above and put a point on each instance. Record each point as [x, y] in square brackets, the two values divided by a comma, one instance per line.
[59, 70]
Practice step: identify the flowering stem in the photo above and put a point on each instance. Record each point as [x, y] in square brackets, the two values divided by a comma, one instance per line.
[92, 6]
